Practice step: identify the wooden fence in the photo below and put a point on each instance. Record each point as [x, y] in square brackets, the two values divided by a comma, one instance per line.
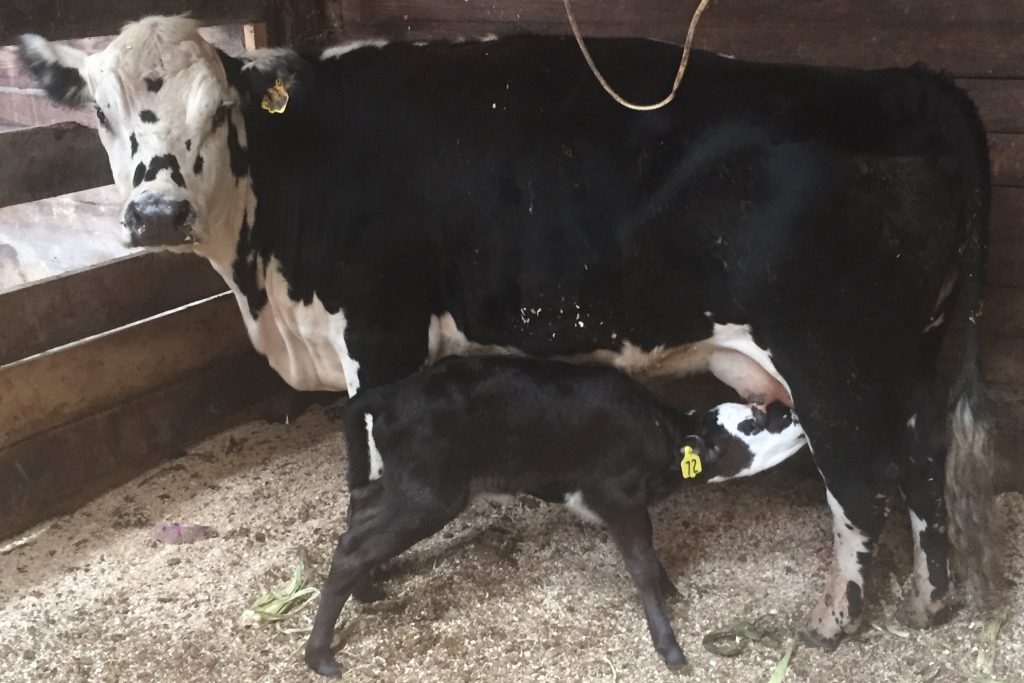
[107, 370]
[89, 395]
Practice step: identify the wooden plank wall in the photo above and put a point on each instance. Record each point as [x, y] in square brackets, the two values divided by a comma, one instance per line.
[978, 42]
[107, 370]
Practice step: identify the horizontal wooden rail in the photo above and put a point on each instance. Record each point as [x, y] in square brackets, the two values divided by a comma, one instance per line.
[58, 470]
[45, 391]
[65, 308]
[37, 163]
[676, 14]
[59, 19]
[867, 33]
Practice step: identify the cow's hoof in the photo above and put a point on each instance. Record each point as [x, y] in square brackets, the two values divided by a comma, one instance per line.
[323, 663]
[917, 614]
[811, 638]
[369, 592]
[674, 658]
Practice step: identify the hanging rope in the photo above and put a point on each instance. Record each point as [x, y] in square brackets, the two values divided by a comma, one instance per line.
[608, 88]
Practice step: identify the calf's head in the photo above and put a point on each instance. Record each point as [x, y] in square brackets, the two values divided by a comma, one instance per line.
[169, 110]
[737, 440]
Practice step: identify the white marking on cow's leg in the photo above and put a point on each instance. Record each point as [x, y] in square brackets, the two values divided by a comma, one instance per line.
[925, 604]
[912, 422]
[841, 608]
[574, 501]
[376, 463]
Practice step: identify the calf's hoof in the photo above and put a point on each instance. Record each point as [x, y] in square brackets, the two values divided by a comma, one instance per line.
[322, 662]
[369, 592]
[674, 658]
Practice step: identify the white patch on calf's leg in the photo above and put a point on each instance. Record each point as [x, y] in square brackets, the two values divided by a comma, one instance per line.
[835, 616]
[912, 422]
[376, 462]
[574, 501]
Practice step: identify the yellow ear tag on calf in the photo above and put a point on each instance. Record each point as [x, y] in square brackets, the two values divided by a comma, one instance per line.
[276, 98]
[690, 464]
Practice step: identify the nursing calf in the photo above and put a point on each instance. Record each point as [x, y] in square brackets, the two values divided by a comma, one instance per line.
[585, 436]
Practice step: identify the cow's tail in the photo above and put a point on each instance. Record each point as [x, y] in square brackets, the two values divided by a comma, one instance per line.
[970, 465]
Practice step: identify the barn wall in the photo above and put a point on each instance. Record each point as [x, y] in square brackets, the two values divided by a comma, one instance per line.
[977, 42]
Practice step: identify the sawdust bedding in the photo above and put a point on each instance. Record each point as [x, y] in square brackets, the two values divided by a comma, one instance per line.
[516, 592]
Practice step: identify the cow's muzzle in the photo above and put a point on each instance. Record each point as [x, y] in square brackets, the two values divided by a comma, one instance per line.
[156, 222]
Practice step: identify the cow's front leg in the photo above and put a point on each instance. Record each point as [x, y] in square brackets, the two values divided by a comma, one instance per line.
[853, 465]
[841, 608]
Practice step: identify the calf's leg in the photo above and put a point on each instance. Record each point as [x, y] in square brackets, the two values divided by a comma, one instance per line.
[378, 531]
[365, 590]
[630, 528]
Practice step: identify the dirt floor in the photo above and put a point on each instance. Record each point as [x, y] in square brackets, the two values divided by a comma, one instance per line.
[516, 592]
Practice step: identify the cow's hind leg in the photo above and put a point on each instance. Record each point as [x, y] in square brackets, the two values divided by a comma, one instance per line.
[922, 482]
[378, 530]
[852, 465]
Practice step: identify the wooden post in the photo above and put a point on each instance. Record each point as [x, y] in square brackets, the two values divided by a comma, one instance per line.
[254, 36]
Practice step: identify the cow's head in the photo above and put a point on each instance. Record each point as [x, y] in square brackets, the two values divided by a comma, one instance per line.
[168, 105]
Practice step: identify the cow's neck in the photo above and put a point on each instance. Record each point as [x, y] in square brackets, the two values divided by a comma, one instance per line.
[221, 247]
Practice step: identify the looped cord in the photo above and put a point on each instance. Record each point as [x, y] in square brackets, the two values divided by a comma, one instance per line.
[608, 88]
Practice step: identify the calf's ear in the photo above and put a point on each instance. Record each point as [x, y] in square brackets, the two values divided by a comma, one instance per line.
[57, 69]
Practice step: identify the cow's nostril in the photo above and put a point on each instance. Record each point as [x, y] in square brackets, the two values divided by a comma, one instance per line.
[183, 215]
[133, 219]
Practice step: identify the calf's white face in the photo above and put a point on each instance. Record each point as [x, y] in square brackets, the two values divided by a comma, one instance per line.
[169, 122]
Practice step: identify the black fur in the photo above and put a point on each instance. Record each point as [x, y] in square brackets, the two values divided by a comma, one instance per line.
[154, 84]
[148, 116]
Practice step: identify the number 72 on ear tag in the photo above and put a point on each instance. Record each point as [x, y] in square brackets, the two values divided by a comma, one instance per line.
[690, 464]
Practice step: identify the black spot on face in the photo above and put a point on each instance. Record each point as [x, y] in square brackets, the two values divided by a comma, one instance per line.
[188, 145]
[134, 143]
[140, 174]
[148, 116]
[197, 167]
[154, 84]
[168, 161]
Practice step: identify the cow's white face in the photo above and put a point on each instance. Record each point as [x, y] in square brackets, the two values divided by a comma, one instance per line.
[170, 123]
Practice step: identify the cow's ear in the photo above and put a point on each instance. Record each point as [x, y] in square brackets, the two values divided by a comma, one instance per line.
[276, 78]
[57, 68]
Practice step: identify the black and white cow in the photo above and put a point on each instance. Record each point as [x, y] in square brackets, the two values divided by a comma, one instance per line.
[802, 233]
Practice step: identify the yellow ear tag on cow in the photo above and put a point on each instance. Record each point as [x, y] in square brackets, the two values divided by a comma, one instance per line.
[276, 98]
[690, 464]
